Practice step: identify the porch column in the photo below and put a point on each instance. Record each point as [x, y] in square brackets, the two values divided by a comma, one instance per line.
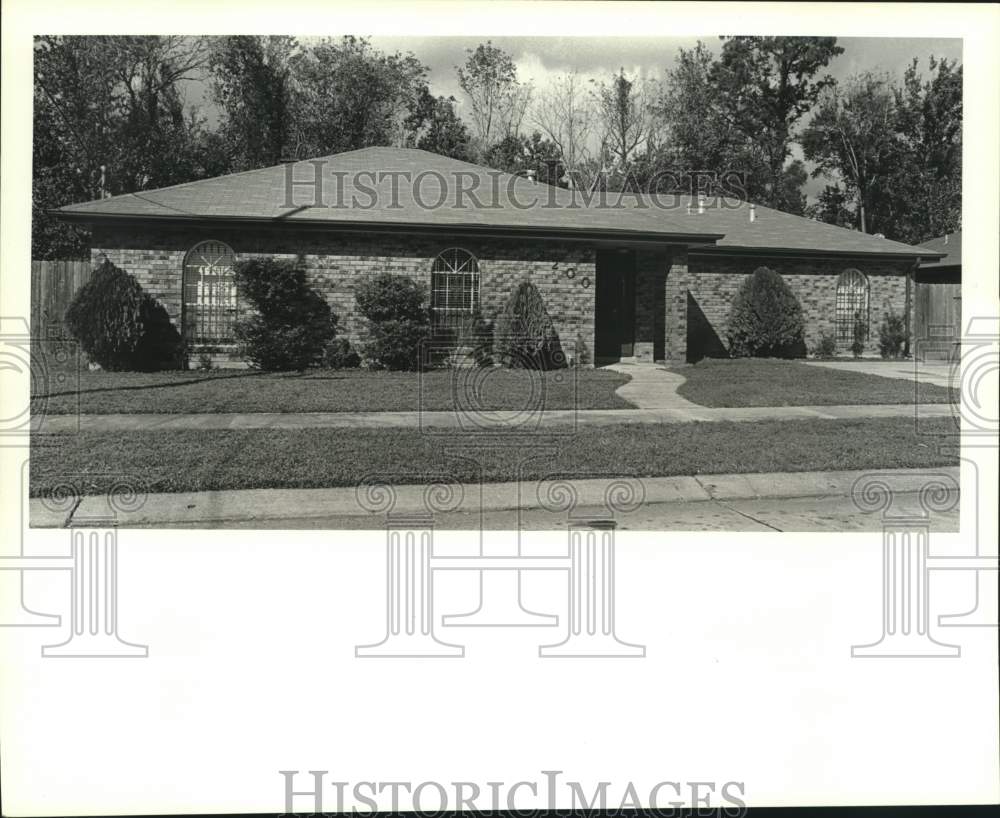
[650, 270]
[675, 304]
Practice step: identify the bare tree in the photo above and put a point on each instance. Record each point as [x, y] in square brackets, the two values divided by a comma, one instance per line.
[624, 117]
[564, 112]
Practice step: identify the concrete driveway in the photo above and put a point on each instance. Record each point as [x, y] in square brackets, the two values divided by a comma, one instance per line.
[938, 373]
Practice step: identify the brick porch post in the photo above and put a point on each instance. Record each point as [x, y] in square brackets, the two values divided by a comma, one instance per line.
[675, 303]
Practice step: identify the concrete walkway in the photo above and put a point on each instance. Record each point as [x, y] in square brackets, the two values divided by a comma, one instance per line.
[937, 373]
[653, 386]
[505, 422]
[219, 508]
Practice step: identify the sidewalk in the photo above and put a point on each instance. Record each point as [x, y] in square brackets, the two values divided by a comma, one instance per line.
[510, 422]
[215, 508]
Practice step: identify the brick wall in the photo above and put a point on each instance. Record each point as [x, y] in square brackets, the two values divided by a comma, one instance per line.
[712, 283]
[682, 299]
[336, 262]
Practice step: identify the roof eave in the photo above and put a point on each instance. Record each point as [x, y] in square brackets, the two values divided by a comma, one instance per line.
[726, 250]
[413, 228]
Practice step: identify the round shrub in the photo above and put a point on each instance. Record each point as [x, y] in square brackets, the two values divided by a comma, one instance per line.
[339, 355]
[766, 318]
[396, 345]
[525, 336]
[388, 297]
[398, 322]
[826, 346]
[891, 335]
[292, 323]
[120, 326]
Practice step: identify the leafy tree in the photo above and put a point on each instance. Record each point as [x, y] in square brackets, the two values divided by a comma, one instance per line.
[120, 326]
[109, 118]
[521, 154]
[292, 323]
[764, 86]
[833, 206]
[928, 184]
[499, 102]
[252, 85]
[436, 127]
[852, 138]
[350, 95]
[766, 318]
[700, 145]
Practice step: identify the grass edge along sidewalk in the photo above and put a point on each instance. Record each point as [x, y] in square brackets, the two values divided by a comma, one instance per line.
[193, 460]
[709, 383]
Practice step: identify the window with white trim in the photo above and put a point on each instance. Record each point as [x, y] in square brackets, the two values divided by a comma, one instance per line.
[851, 305]
[210, 304]
[454, 289]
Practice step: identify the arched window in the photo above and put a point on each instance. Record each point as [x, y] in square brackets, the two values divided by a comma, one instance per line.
[454, 289]
[852, 304]
[209, 294]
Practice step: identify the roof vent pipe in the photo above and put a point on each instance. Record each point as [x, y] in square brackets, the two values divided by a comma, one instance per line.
[753, 213]
[701, 203]
[530, 173]
[945, 238]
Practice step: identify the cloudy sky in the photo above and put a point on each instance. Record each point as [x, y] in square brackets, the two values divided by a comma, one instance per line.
[539, 59]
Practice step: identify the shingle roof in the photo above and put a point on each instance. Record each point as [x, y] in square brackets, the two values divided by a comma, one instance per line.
[950, 245]
[369, 174]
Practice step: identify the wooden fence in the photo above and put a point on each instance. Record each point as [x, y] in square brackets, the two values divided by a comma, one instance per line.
[53, 285]
[938, 317]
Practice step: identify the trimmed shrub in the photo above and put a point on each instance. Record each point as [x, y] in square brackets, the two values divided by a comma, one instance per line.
[339, 355]
[826, 346]
[891, 335]
[398, 321]
[122, 327]
[766, 318]
[860, 334]
[396, 345]
[292, 324]
[525, 337]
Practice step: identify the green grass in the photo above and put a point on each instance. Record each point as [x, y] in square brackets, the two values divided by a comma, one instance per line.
[199, 460]
[329, 391]
[769, 382]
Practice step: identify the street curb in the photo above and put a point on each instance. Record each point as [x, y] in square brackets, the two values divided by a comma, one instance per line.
[247, 505]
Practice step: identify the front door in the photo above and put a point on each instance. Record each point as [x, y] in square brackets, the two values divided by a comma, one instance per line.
[614, 320]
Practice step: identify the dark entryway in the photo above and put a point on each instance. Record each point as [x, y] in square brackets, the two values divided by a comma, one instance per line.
[614, 319]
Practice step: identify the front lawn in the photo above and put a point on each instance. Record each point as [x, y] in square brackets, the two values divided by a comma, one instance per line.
[770, 382]
[204, 460]
[331, 391]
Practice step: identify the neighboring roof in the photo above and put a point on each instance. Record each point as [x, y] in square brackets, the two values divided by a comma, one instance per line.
[260, 196]
[951, 245]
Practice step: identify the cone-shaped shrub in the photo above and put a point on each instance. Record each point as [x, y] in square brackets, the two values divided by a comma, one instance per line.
[525, 336]
[293, 323]
[766, 318]
[120, 326]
